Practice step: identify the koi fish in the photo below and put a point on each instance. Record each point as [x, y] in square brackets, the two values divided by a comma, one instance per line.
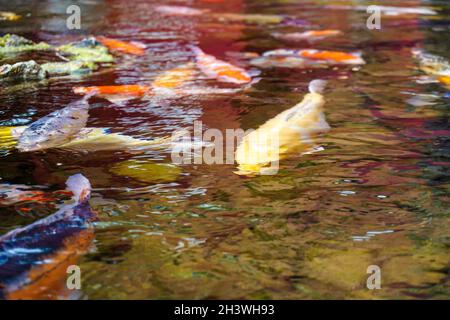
[307, 35]
[117, 94]
[220, 70]
[250, 18]
[174, 78]
[88, 139]
[388, 10]
[10, 16]
[180, 10]
[288, 132]
[15, 193]
[279, 62]
[34, 259]
[433, 65]
[334, 57]
[56, 128]
[134, 48]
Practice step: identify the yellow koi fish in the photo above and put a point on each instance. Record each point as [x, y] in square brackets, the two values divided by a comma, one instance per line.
[289, 132]
[10, 16]
[174, 78]
[88, 139]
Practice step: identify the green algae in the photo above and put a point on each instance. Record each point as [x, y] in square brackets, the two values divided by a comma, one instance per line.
[69, 68]
[11, 43]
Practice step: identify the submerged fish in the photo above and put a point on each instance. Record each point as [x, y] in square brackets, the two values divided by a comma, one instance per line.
[220, 70]
[14, 193]
[135, 48]
[57, 128]
[174, 78]
[34, 259]
[307, 35]
[289, 132]
[10, 16]
[388, 10]
[180, 10]
[250, 18]
[88, 139]
[433, 65]
[116, 93]
[334, 57]
[279, 62]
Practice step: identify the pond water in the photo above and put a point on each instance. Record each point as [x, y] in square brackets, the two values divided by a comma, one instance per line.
[377, 194]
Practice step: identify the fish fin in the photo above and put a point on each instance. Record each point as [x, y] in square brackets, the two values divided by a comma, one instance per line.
[80, 186]
[317, 86]
[89, 95]
[196, 50]
[118, 100]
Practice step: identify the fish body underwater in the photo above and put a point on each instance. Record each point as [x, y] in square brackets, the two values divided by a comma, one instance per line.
[116, 94]
[307, 35]
[34, 258]
[220, 70]
[88, 139]
[56, 128]
[434, 66]
[289, 132]
[133, 48]
[332, 57]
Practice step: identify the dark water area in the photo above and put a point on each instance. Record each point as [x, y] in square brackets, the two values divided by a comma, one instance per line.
[377, 194]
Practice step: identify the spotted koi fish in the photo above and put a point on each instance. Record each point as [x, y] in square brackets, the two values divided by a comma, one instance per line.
[134, 48]
[220, 70]
[307, 35]
[435, 66]
[335, 57]
[56, 128]
[34, 259]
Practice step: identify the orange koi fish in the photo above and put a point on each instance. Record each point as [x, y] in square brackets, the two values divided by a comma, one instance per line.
[116, 93]
[337, 57]
[174, 78]
[134, 48]
[307, 35]
[220, 70]
[11, 194]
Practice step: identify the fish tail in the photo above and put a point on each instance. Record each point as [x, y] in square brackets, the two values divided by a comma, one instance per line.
[80, 186]
[317, 86]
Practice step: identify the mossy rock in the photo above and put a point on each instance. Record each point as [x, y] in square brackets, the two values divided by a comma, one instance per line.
[11, 43]
[87, 50]
[69, 68]
[28, 70]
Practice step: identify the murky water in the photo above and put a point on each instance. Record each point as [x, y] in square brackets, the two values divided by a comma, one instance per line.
[376, 195]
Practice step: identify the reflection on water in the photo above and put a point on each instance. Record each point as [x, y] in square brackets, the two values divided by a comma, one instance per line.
[376, 195]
